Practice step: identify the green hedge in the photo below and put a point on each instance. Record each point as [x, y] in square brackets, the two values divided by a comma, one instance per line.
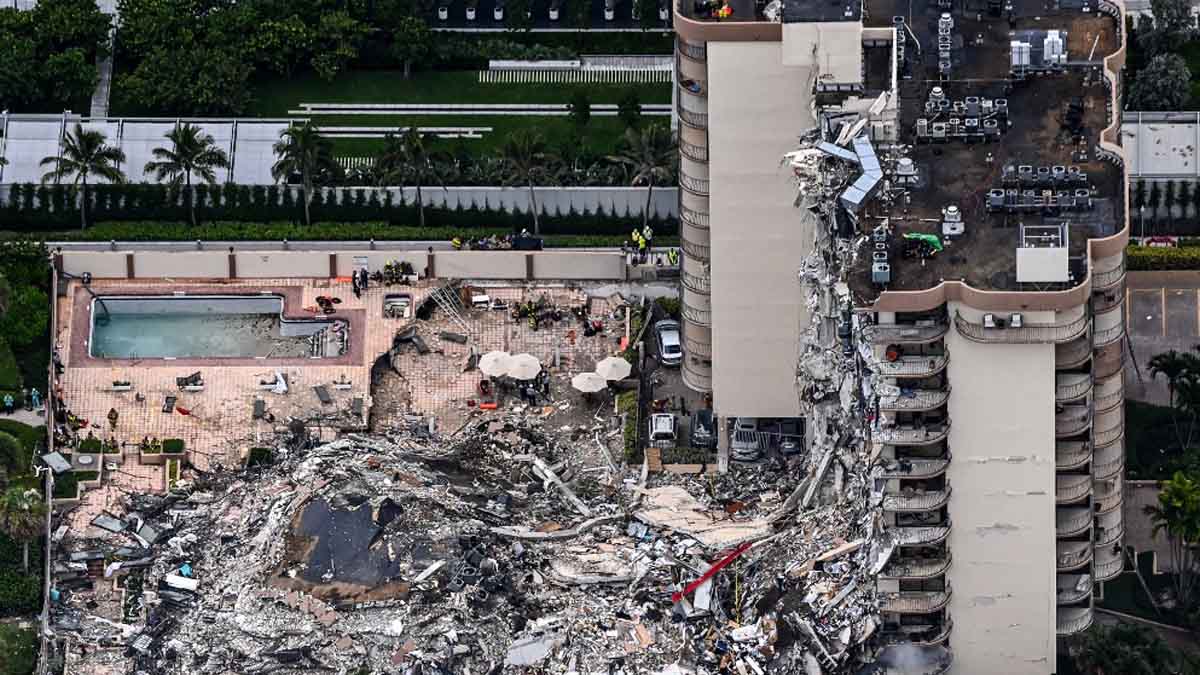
[39, 208]
[1143, 258]
[10, 372]
[91, 446]
[65, 484]
[172, 445]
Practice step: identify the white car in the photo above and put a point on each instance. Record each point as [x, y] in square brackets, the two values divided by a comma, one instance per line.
[662, 430]
[670, 344]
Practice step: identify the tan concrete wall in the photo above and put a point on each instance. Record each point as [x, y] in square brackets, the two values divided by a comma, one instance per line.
[102, 264]
[1002, 505]
[757, 109]
[480, 265]
[579, 265]
[349, 260]
[181, 265]
[275, 264]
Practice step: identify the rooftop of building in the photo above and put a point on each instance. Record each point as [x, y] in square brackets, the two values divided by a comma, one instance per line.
[777, 11]
[1054, 119]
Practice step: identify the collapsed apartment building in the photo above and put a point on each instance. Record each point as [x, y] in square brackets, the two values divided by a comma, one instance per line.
[956, 251]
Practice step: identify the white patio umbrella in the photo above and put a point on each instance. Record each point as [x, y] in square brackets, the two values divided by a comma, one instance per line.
[495, 364]
[524, 367]
[614, 368]
[589, 382]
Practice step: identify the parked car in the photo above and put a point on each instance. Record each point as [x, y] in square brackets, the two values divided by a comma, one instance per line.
[745, 443]
[670, 344]
[704, 430]
[791, 435]
[662, 430]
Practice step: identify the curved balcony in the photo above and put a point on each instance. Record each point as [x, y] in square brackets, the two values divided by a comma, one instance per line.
[1072, 521]
[695, 52]
[1073, 354]
[1110, 527]
[910, 435]
[696, 219]
[1105, 301]
[914, 602]
[1071, 454]
[1071, 386]
[1109, 278]
[925, 634]
[1110, 428]
[1109, 396]
[915, 468]
[899, 657]
[1108, 461]
[1109, 361]
[698, 186]
[906, 333]
[917, 568]
[915, 400]
[1028, 333]
[696, 282]
[1108, 563]
[696, 376]
[1072, 421]
[1073, 620]
[1072, 487]
[1109, 495]
[928, 535]
[1107, 336]
[696, 315]
[694, 250]
[912, 501]
[1072, 555]
[1073, 588]
[696, 120]
[912, 366]
[696, 347]
[692, 151]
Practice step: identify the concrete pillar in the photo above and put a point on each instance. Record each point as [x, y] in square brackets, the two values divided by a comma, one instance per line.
[232, 264]
[333, 270]
[130, 273]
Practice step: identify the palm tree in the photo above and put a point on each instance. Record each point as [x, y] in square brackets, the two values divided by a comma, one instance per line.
[527, 158]
[1178, 515]
[647, 155]
[1172, 365]
[84, 153]
[22, 517]
[303, 151]
[1185, 198]
[191, 152]
[405, 157]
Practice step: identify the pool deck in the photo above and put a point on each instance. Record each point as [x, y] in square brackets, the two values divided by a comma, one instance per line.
[220, 429]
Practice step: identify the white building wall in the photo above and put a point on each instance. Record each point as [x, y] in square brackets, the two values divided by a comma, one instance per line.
[757, 109]
[1002, 505]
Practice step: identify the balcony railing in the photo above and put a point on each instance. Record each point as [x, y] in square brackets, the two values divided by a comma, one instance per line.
[694, 52]
[917, 568]
[1071, 386]
[1110, 527]
[692, 151]
[1108, 563]
[925, 435]
[915, 468]
[696, 347]
[1108, 461]
[1073, 420]
[1073, 521]
[925, 634]
[1027, 333]
[691, 249]
[702, 317]
[1071, 487]
[916, 501]
[1106, 402]
[696, 219]
[1109, 335]
[1071, 454]
[1073, 588]
[915, 400]
[1104, 301]
[921, 536]
[906, 333]
[1072, 354]
[1109, 495]
[696, 282]
[695, 185]
[1110, 428]
[912, 366]
[698, 120]
[695, 377]
[1073, 620]
[914, 602]
[1101, 280]
[1071, 555]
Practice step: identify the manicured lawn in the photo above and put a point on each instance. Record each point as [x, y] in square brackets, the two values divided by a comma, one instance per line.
[601, 135]
[276, 97]
[18, 650]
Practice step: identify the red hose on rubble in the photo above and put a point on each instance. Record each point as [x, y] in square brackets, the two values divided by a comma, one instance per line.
[712, 571]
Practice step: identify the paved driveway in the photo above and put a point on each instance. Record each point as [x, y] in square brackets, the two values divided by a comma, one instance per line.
[1162, 312]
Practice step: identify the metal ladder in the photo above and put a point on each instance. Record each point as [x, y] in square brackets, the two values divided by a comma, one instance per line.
[446, 298]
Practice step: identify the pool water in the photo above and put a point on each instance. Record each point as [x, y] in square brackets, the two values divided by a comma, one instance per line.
[203, 327]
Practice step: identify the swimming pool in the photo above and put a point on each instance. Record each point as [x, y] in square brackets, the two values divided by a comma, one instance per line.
[211, 326]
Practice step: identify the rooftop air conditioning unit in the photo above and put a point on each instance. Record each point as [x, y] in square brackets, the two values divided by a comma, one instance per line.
[989, 320]
[1015, 320]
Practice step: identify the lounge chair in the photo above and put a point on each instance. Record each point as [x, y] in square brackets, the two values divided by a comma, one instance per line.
[169, 404]
[323, 394]
[260, 408]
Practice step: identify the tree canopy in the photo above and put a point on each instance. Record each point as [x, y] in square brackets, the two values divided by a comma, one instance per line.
[48, 54]
[1164, 84]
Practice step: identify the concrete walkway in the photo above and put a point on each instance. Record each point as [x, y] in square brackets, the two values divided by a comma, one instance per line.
[33, 418]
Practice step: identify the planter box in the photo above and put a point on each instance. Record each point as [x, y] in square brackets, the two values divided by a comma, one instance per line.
[160, 458]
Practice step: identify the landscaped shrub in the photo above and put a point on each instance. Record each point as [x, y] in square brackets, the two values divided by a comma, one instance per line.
[15, 458]
[91, 445]
[66, 484]
[172, 446]
[1162, 258]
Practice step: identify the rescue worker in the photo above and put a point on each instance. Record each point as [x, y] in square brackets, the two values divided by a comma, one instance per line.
[648, 234]
[456, 244]
[672, 257]
[112, 418]
[641, 249]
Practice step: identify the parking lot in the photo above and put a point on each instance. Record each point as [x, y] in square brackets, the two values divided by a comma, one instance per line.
[1162, 312]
